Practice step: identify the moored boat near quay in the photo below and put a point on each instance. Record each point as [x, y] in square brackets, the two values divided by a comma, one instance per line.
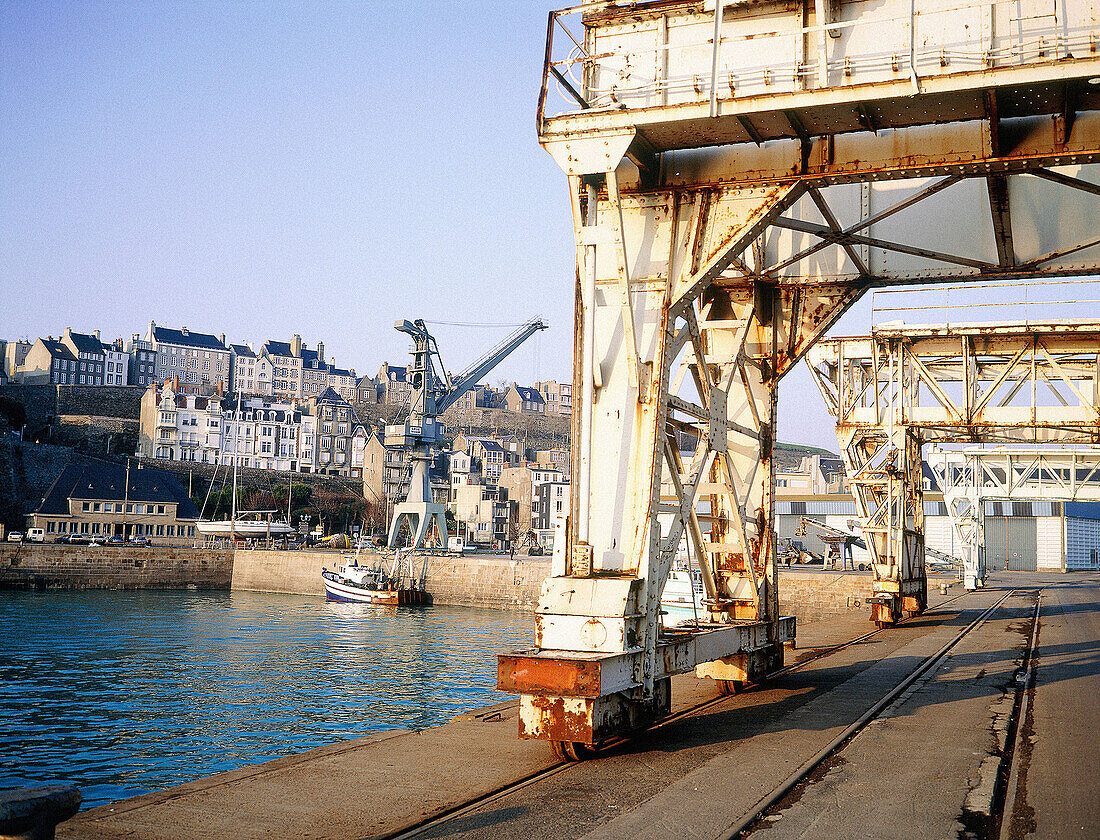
[375, 584]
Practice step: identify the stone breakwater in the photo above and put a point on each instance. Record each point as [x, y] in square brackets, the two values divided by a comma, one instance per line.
[44, 566]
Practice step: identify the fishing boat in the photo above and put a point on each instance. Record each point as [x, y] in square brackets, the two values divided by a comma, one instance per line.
[682, 599]
[372, 583]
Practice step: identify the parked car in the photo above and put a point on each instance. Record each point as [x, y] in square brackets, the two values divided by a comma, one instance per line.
[36, 535]
[139, 541]
[15, 536]
[116, 541]
[78, 539]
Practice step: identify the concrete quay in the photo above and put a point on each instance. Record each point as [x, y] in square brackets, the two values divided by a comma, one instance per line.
[914, 772]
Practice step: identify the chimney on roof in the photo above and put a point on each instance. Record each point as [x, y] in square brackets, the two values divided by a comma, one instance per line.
[221, 338]
[296, 346]
[321, 352]
[184, 330]
[96, 334]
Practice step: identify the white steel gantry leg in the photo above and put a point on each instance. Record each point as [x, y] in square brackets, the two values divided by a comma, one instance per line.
[687, 344]
[725, 213]
[959, 479]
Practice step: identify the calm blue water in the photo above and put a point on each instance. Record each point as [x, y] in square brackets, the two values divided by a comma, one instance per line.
[123, 693]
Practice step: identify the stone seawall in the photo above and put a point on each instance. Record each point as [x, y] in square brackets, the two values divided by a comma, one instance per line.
[476, 580]
[294, 572]
[44, 566]
[494, 581]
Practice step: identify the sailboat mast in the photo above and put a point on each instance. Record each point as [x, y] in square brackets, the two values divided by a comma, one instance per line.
[236, 443]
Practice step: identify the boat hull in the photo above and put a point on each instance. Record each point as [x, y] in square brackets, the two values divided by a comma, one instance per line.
[243, 529]
[335, 590]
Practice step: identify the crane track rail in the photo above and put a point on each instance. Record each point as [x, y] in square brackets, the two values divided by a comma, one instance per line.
[472, 805]
[753, 816]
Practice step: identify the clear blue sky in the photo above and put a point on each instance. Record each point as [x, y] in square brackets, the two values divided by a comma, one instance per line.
[264, 169]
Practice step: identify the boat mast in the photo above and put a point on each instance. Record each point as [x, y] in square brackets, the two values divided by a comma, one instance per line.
[236, 443]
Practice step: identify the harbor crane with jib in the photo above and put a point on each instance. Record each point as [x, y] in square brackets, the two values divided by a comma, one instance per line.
[420, 434]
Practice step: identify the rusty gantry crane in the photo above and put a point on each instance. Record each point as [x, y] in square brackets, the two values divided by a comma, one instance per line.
[739, 174]
[903, 386]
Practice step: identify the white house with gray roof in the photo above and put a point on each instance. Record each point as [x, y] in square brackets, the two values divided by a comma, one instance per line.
[251, 372]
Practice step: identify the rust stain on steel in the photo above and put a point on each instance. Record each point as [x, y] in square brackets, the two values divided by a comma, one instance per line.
[557, 723]
[531, 675]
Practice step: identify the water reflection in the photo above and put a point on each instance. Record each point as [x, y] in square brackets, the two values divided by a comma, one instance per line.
[127, 692]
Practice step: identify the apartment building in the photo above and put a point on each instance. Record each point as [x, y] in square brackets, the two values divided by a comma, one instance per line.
[393, 384]
[482, 513]
[301, 373]
[192, 357]
[366, 391]
[557, 459]
[14, 357]
[50, 362]
[524, 400]
[141, 360]
[480, 396]
[340, 438]
[558, 397]
[251, 431]
[250, 372]
[489, 454]
[116, 363]
[178, 426]
[552, 498]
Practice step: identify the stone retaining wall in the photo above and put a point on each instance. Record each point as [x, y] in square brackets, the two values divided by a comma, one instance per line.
[45, 566]
[475, 580]
[495, 581]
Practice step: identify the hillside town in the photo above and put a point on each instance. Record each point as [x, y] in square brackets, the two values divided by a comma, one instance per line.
[284, 408]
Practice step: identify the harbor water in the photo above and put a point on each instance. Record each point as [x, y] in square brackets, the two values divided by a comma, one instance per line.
[123, 693]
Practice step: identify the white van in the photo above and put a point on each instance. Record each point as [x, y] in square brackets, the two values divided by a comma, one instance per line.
[36, 535]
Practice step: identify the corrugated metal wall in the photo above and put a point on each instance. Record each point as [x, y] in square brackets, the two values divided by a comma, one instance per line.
[939, 534]
[1010, 543]
[1049, 548]
[1082, 544]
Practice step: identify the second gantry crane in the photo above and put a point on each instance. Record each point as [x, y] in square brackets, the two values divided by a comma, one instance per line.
[421, 433]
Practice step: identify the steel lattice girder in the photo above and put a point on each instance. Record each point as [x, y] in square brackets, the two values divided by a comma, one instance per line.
[990, 383]
[970, 476]
[710, 262]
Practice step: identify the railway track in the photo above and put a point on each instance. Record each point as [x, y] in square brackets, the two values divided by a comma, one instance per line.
[746, 822]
